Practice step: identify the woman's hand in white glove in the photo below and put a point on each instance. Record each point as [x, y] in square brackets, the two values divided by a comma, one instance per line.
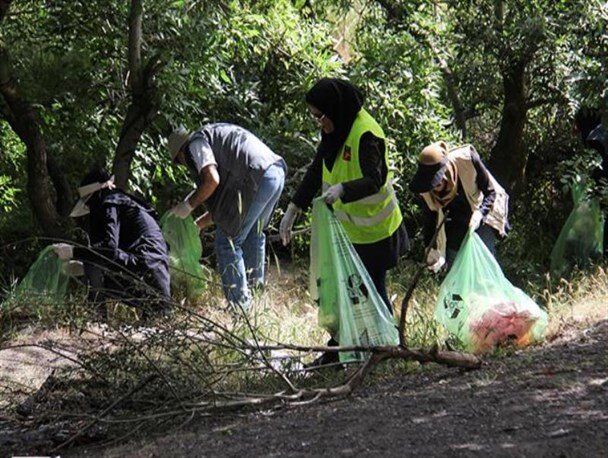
[476, 219]
[435, 260]
[333, 193]
[76, 268]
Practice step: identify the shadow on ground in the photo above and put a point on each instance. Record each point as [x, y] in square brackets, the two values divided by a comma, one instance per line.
[546, 401]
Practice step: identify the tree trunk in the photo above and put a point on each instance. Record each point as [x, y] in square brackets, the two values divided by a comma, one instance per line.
[4, 5]
[508, 157]
[23, 120]
[65, 197]
[142, 110]
[394, 13]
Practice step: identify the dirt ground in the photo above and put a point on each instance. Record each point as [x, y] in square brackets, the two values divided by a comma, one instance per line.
[545, 401]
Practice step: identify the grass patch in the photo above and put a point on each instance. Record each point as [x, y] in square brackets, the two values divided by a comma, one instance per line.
[193, 366]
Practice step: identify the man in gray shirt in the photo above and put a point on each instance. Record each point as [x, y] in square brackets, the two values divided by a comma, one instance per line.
[240, 181]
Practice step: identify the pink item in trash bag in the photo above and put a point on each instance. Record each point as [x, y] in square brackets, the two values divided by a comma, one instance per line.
[502, 322]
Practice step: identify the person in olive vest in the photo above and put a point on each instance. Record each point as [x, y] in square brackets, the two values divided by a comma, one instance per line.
[455, 184]
[352, 168]
[240, 180]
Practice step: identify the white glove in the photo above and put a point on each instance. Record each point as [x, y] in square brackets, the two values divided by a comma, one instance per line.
[333, 193]
[182, 210]
[438, 265]
[64, 251]
[287, 221]
[75, 268]
[435, 260]
[476, 219]
[203, 221]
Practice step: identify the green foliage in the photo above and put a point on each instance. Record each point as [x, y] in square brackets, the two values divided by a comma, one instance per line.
[404, 91]
[11, 175]
[252, 62]
[588, 45]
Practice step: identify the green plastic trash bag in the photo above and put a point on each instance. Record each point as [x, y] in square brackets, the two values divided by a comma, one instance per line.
[481, 308]
[582, 238]
[185, 250]
[47, 278]
[350, 308]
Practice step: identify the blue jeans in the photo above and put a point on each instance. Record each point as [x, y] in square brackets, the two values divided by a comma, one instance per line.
[241, 258]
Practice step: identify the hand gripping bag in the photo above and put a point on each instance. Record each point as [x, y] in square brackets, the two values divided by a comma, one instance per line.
[479, 306]
[185, 250]
[582, 237]
[350, 308]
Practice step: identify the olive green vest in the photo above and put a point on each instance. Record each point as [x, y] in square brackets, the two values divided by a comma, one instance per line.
[374, 217]
[467, 175]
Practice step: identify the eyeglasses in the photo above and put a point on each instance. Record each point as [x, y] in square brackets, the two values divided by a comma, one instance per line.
[318, 117]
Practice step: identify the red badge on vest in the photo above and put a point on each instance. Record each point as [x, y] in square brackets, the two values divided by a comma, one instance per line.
[346, 155]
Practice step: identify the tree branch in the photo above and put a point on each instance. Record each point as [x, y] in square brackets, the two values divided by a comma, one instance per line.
[142, 110]
[410, 291]
[460, 111]
[135, 42]
[106, 411]
[546, 101]
[24, 121]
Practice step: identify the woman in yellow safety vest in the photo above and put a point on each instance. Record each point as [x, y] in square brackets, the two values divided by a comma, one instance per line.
[352, 168]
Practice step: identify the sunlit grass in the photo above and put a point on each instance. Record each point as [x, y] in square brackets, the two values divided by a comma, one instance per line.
[578, 301]
[285, 313]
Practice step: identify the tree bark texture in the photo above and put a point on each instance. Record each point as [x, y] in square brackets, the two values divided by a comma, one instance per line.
[4, 5]
[65, 197]
[509, 157]
[24, 121]
[142, 109]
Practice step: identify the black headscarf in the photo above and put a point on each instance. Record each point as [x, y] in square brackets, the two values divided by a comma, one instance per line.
[340, 101]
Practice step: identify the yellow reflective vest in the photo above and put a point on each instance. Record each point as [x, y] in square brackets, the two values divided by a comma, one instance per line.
[374, 217]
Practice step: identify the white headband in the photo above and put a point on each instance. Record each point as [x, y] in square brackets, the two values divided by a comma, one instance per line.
[81, 208]
[88, 189]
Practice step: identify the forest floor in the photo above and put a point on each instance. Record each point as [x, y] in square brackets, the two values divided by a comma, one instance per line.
[550, 400]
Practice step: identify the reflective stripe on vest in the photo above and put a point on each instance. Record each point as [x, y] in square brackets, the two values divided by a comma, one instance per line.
[374, 199]
[374, 217]
[371, 220]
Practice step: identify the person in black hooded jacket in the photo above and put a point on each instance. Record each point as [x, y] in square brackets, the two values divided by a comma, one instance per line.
[128, 257]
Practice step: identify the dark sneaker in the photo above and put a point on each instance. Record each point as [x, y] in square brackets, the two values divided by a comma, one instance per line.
[326, 360]
[156, 313]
